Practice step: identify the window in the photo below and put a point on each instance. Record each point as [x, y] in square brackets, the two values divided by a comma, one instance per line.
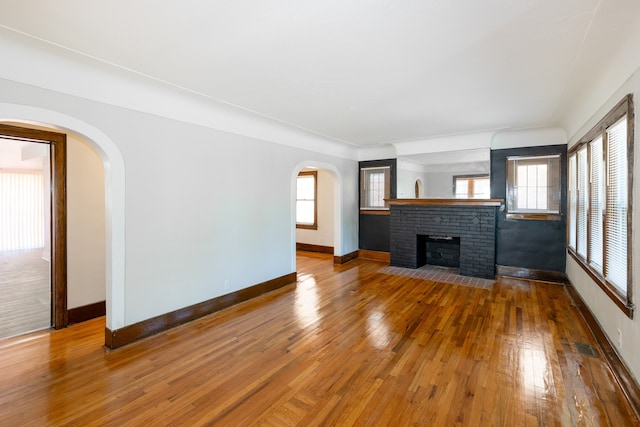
[533, 187]
[472, 187]
[21, 210]
[306, 195]
[376, 186]
[599, 208]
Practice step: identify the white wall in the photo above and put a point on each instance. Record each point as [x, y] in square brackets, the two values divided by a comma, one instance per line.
[201, 205]
[407, 174]
[609, 316]
[85, 225]
[439, 179]
[323, 236]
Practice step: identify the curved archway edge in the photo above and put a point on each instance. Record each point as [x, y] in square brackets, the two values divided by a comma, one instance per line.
[114, 193]
[337, 206]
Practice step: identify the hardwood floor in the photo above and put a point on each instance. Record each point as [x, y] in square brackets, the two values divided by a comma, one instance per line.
[346, 345]
[25, 292]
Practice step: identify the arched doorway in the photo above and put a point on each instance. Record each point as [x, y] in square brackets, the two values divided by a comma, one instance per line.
[418, 189]
[114, 195]
[330, 177]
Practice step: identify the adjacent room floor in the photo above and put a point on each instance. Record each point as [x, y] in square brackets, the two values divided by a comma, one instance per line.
[25, 292]
[345, 345]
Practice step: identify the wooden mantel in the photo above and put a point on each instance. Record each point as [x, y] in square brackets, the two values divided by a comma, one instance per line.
[446, 202]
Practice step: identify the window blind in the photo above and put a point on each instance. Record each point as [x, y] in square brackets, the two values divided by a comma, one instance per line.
[596, 204]
[21, 210]
[617, 205]
[573, 201]
[581, 213]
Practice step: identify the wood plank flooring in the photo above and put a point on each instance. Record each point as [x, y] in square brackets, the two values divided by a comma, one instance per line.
[346, 345]
[25, 292]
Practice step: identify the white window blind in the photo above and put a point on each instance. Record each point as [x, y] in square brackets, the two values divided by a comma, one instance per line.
[21, 210]
[573, 201]
[596, 204]
[581, 212]
[598, 235]
[617, 205]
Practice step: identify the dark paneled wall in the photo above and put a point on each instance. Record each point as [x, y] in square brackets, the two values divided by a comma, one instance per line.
[374, 228]
[533, 244]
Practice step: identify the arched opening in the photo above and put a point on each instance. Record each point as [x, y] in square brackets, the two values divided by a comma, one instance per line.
[328, 232]
[47, 206]
[114, 187]
[419, 193]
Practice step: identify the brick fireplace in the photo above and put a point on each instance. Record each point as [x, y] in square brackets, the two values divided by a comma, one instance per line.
[443, 229]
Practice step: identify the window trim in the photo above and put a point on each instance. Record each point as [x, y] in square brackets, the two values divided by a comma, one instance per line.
[381, 210]
[536, 215]
[624, 107]
[313, 226]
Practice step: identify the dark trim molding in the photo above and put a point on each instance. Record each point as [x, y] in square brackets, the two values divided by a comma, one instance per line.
[619, 300]
[621, 373]
[532, 274]
[375, 211]
[87, 312]
[374, 255]
[123, 336]
[314, 248]
[342, 259]
[58, 163]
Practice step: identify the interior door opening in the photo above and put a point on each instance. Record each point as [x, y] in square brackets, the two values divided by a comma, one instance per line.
[32, 230]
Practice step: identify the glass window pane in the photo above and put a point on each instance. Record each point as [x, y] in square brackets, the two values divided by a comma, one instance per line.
[376, 184]
[305, 211]
[533, 184]
[462, 188]
[481, 188]
[617, 206]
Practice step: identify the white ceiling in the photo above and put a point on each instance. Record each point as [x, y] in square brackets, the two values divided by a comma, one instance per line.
[360, 71]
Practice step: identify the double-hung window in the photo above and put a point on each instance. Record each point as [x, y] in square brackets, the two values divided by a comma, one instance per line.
[599, 203]
[472, 186]
[306, 196]
[375, 187]
[533, 187]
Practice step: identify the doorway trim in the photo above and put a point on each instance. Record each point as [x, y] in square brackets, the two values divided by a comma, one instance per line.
[58, 161]
[114, 171]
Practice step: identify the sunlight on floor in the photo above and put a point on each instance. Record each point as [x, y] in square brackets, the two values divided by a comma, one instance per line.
[306, 300]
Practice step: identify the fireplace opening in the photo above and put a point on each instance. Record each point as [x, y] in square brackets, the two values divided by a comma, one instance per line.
[443, 251]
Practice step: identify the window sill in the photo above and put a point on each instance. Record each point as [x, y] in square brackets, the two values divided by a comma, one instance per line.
[535, 216]
[307, 226]
[375, 211]
[626, 307]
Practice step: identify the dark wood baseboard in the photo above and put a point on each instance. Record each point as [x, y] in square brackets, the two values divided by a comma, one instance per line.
[532, 274]
[314, 248]
[345, 258]
[87, 312]
[620, 371]
[123, 336]
[374, 255]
